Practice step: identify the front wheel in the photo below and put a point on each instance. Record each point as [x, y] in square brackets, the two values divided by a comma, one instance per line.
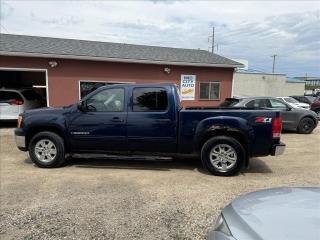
[223, 156]
[47, 150]
[306, 125]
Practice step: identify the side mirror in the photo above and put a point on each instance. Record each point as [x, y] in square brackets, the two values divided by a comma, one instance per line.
[289, 108]
[81, 105]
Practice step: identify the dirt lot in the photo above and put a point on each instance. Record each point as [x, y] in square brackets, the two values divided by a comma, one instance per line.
[121, 199]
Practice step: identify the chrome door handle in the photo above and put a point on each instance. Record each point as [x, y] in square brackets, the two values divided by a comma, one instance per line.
[116, 119]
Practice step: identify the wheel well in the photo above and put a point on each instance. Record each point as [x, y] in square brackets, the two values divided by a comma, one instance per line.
[240, 137]
[308, 116]
[225, 132]
[33, 131]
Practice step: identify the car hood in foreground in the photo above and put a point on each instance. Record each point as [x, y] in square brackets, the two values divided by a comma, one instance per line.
[279, 213]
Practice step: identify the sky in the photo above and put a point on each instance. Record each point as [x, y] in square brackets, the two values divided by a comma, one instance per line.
[251, 30]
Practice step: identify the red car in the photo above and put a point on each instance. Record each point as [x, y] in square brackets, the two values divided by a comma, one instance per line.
[314, 102]
[315, 106]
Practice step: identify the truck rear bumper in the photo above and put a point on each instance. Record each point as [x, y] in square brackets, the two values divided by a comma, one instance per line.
[278, 149]
[20, 139]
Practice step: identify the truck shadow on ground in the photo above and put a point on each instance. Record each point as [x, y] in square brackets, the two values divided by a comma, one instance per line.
[135, 163]
[256, 165]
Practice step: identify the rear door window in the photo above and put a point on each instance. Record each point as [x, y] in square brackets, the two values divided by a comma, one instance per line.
[150, 100]
[6, 96]
[31, 95]
[277, 104]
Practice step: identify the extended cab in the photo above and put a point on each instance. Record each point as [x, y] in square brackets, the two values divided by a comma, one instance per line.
[148, 119]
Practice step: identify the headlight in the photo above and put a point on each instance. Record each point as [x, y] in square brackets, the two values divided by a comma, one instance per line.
[222, 226]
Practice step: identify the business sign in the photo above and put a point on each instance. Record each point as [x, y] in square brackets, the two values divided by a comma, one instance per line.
[188, 87]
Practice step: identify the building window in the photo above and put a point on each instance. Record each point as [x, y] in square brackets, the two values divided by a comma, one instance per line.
[150, 100]
[87, 87]
[209, 90]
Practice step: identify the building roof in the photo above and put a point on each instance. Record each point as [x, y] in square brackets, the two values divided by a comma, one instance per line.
[294, 80]
[307, 78]
[249, 70]
[34, 46]
[255, 71]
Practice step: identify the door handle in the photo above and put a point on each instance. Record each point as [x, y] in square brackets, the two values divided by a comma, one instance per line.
[116, 119]
[163, 120]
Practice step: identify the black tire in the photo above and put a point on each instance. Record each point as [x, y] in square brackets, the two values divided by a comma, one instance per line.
[47, 137]
[306, 125]
[217, 142]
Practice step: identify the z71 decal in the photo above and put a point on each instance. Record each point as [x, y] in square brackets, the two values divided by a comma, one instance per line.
[263, 120]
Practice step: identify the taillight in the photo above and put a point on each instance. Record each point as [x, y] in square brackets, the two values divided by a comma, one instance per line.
[19, 121]
[276, 127]
[15, 102]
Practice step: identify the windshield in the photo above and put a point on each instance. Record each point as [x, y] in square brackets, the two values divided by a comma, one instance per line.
[290, 100]
[311, 98]
[229, 102]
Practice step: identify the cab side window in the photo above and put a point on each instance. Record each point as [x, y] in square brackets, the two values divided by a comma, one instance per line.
[109, 100]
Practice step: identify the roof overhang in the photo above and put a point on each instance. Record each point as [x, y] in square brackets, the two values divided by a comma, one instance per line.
[123, 60]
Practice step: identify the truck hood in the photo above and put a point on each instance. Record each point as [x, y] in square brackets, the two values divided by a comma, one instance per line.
[279, 213]
[48, 110]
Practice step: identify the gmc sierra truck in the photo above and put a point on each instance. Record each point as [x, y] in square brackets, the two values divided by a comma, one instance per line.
[147, 119]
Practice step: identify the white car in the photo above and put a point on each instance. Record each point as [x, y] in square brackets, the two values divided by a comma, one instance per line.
[16, 101]
[294, 103]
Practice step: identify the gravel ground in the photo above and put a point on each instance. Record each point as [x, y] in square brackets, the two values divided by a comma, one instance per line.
[136, 199]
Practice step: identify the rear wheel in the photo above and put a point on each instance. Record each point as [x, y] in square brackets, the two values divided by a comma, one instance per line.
[223, 156]
[47, 150]
[306, 125]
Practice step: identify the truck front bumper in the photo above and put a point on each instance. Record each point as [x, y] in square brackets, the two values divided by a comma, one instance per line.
[20, 139]
[278, 149]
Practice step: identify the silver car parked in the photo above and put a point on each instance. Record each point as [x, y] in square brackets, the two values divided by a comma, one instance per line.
[16, 101]
[279, 213]
[293, 119]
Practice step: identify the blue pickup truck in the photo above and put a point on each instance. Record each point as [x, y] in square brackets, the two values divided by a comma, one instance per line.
[148, 119]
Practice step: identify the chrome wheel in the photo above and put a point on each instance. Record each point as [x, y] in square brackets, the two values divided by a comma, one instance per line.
[223, 157]
[45, 150]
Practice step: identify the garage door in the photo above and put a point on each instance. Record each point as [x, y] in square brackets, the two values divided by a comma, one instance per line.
[21, 89]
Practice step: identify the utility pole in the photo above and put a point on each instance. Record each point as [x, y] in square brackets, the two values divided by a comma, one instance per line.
[212, 41]
[212, 47]
[274, 61]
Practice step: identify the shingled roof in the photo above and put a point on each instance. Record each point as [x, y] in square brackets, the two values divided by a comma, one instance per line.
[34, 46]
